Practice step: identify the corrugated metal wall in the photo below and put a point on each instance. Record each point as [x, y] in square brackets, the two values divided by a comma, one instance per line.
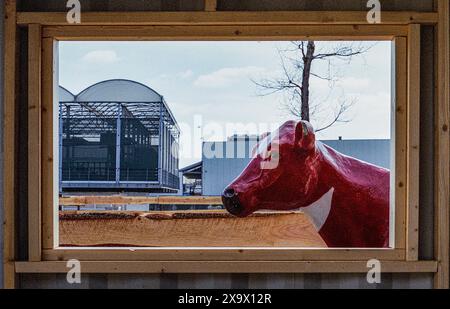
[375, 151]
[228, 281]
[265, 280]
[222, 162]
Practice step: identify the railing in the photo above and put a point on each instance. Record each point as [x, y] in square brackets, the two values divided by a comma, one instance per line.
[170, 180]
[134, 174]
[97, 171]
[193, 188]
[87, 171]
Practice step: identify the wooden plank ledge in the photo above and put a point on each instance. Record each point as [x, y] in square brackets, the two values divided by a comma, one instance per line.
[206, 228]
[227, 267]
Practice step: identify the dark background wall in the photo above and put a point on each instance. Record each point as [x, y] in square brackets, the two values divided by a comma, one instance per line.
[242, 280]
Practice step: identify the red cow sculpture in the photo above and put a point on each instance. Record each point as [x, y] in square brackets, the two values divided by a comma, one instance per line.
[346, 199]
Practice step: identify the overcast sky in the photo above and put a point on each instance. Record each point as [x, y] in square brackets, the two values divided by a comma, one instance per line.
[212, 81]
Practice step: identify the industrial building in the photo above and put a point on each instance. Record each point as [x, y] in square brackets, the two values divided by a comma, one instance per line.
[214, 173]
[117, 135]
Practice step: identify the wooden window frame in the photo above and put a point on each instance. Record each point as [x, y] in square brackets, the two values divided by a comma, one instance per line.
[46, 28]
[404, 102]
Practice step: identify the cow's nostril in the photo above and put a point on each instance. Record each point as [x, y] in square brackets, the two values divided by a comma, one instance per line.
[229, 192]
[231, 202]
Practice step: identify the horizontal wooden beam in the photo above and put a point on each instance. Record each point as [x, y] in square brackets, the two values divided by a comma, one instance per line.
[221, 254]
[226, 267]
[139, 200]
[227, 18]
[236, 32]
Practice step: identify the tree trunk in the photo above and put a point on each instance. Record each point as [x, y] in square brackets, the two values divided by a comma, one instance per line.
[307, 61]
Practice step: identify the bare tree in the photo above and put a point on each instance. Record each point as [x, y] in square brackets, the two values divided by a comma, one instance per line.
[297, 73]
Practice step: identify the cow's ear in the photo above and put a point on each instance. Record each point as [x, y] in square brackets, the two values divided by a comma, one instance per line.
[304, 135]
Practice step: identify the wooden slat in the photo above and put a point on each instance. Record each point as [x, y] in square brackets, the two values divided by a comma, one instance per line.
[227, 267]
[222, 254]
[139, 200]
[49, 146]
[9, 139]
[413, 110]
[400, 131]
[235, 32]
[442, 150]
[34, 142]
[227, 18]
[199, 200]
[187, 229]
[210, 5]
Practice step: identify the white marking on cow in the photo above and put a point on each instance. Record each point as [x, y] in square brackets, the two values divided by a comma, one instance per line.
[320, 209]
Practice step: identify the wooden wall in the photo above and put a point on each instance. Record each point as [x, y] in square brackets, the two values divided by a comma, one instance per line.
[325, 5]
[255, 280]
[1, 141]
[225, 5]
[114, 5]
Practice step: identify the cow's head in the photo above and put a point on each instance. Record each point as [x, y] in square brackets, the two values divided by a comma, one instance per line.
[282, 174]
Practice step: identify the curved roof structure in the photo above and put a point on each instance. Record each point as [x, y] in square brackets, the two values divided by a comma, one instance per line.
[119, 90]
[102, 100]
[65, 95]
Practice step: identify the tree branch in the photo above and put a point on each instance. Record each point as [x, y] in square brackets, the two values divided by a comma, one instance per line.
[337, 117]
[297, 68]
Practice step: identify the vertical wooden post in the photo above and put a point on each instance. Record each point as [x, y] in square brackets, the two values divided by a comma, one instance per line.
[413, 122]
[210, 5]
[9, 140]
[399, 136]
[34, 142]
[442, 150]
[50, 147]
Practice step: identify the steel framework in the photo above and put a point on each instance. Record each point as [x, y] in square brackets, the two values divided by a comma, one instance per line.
[125, 140]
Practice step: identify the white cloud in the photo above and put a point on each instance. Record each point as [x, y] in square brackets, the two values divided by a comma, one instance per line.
[167, 80]
[101, 56]
[227, 76]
